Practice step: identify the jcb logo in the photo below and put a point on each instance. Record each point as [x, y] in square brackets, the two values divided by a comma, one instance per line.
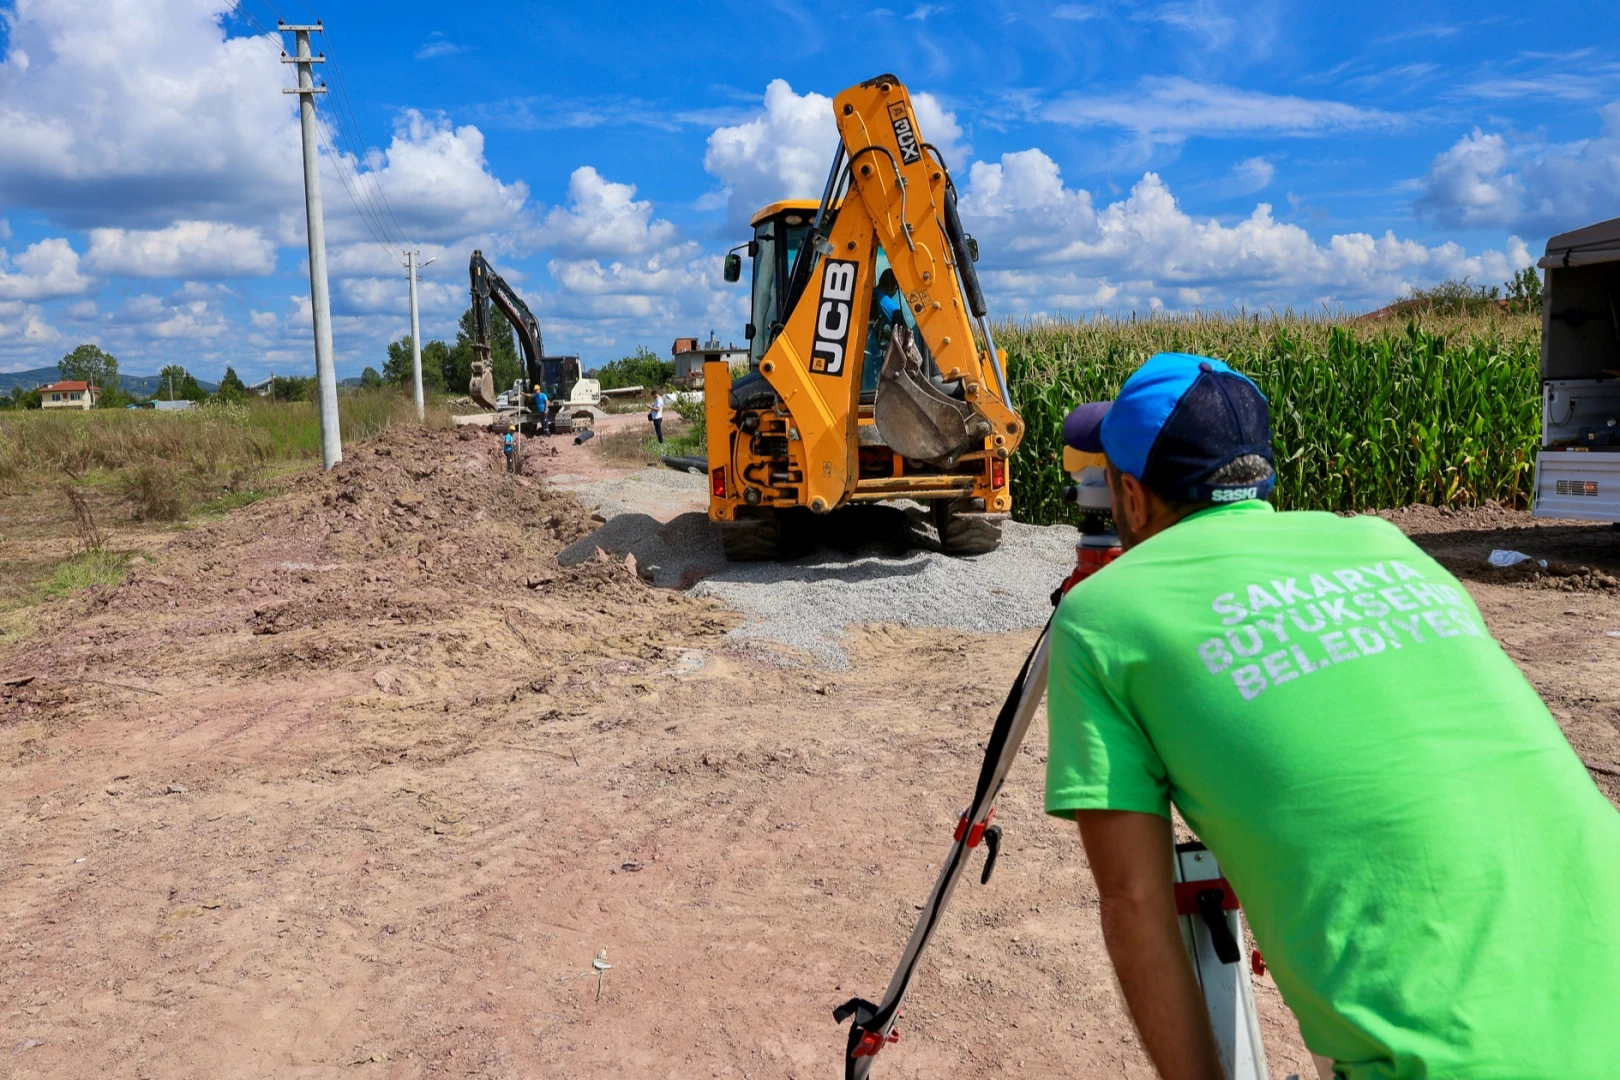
[905, 135]
[832, 317]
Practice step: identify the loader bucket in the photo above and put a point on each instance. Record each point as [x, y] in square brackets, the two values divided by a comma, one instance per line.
[915, 418]
[481, 388]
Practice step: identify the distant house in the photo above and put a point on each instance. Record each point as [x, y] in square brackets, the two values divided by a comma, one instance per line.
[262, 387]
[690, 357]
[69, 395]
[159, 405]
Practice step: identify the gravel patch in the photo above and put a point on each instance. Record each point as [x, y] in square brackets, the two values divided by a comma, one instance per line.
[889, 572]
[655, 490]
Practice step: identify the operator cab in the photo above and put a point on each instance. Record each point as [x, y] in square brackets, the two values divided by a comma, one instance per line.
[779, 233]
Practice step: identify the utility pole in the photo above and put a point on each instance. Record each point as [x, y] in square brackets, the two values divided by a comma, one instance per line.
[416, 336]
[320, 298]
[416, 331]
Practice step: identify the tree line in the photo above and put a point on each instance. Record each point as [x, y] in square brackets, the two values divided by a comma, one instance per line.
[448, 368]
[94, 365]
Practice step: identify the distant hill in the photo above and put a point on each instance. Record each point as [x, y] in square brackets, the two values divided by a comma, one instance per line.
[144, 385]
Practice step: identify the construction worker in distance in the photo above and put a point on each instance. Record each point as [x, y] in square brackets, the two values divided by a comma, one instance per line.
[542, 405]
[509, 445]
[1432, 876]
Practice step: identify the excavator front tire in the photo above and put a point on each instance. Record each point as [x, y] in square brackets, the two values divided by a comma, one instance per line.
[756, 535]
[965, 535]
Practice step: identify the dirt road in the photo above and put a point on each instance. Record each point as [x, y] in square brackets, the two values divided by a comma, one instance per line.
[359, 782]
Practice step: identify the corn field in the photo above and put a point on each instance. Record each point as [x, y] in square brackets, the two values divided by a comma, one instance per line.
[1438, 411]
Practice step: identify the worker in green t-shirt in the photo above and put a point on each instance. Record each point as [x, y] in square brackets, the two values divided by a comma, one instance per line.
[1430, 872]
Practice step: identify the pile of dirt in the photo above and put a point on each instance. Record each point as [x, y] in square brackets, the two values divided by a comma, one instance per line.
[417, 539]
[1579, 556]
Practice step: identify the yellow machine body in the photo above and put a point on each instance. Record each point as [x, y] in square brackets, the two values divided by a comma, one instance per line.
[814, 440]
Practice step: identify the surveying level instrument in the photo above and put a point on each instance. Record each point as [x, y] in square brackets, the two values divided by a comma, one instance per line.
[1211, 923]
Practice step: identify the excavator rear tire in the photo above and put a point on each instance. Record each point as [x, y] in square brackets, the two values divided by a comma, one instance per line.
[756, 535]
[959, 535]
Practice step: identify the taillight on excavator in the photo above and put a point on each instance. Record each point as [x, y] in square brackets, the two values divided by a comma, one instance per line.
[717, 482]
[998, 473]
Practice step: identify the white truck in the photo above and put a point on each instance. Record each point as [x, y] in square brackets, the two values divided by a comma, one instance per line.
[1578, 468]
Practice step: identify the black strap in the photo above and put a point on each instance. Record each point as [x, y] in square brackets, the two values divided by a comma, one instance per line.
[875, 1018]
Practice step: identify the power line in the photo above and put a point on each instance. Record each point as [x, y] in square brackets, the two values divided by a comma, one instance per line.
[343, 93]
[379, 221]
[396, 236]
[341, 166]
[351, 135]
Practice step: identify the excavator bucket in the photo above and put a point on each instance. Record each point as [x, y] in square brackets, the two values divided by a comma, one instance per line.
[481, 388]
[915, 417]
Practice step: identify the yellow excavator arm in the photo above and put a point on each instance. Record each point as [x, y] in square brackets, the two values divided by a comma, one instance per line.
[898, 198]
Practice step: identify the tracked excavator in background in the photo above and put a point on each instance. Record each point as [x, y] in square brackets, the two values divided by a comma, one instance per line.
[557, 374]
[867, 381]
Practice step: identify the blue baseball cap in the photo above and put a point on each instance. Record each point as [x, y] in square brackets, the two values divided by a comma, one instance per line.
[1178, 420]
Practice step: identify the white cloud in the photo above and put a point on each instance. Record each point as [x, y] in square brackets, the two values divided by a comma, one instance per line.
[263, 320]
[924, 12]
[785, 151]
[1249, 176]
[141, 115]
[1047, 247]
[24, 327]
[390, 296]
[1076, 12]
[437, 45]
[603, 219]
[5, 229]
[44, 270]
[1486, 180]
[940, 128]
[187, 320]
[137, 112]
[436, 183]
[189, 249]
[1200, 18]
[1170, 110]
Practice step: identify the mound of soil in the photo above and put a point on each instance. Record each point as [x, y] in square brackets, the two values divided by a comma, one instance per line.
[1581, 556]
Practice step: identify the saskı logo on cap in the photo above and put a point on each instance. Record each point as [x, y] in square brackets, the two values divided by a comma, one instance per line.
[1177, 422]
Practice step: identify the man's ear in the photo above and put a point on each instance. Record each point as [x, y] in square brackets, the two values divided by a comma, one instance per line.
[1134, 501]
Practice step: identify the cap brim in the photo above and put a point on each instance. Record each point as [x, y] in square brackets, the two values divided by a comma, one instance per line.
[1082, 428]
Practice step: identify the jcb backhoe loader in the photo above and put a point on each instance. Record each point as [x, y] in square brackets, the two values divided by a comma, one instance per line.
[867, 382]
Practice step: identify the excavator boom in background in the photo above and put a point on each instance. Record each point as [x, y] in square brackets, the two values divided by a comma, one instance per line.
[873, 373]
[557, 374]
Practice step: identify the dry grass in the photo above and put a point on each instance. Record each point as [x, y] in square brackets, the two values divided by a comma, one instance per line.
[164, 464]
[68, 480]
[629, 446]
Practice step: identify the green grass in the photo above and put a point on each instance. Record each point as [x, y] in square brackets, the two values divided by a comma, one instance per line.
[691, 435]
[233, 500]
[82, 571]
[1442, 410]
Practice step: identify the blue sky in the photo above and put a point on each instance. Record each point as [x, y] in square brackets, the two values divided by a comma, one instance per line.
[1112, 157]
